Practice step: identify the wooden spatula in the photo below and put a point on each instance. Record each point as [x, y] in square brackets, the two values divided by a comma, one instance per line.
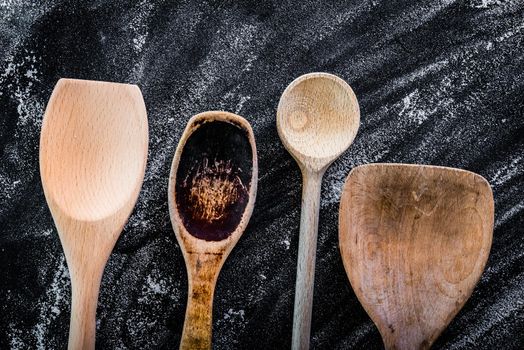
[212, 190]
[93, 151]
[414, 240]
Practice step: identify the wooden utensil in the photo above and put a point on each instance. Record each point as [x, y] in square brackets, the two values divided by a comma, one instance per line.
[212, 189]
[317, 119]
[93, 150]
[414, 240]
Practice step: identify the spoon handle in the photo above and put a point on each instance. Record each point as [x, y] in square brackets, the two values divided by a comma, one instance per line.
[84, 293]
[307, 246]
[198, 324]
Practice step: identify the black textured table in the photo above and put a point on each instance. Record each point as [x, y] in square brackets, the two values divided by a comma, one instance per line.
[439, 82]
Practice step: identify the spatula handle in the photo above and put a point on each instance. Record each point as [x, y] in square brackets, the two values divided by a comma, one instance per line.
[82, 328]
[198, 324]
[307, 246]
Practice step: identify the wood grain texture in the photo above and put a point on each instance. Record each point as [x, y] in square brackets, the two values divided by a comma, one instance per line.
[205, 258]
[93, 151]
[438, 82]
[317, 119]
[414, 241]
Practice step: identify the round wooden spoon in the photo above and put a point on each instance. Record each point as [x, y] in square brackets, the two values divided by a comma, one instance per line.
[212, 189]
[93, 150]
[317, 119]
[414, 240]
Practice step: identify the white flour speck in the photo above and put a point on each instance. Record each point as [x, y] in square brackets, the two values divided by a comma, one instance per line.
[29, 108]
[232, 314]
[15, 338]
[484, 4]
[51, 304]
[411, 111]
[47, 232]
[510, 214]
[508, 171]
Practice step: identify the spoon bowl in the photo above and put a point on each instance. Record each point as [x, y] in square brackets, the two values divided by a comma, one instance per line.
[212, 189]
[93, 151]
[414, 241]
[317, 120]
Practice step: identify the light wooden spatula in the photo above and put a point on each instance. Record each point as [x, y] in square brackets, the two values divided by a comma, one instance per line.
[414, 240]
[93, 150]
[317, 120]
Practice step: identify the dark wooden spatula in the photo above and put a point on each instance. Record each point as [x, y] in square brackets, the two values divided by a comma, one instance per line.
[212, 190]
[414, 240]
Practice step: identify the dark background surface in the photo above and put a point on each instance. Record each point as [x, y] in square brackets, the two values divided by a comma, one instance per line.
[438, 82]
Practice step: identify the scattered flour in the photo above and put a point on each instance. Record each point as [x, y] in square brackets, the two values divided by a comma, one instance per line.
[232, 314]
[52, 304]
[21, 78]
[153, 286]
[502, 307]
[510, 33]
[415, 102]
[484, 4]
[506, 172]
[410, 110]
[509, 214]
[15, 338]
[139, 27]
[47, 232]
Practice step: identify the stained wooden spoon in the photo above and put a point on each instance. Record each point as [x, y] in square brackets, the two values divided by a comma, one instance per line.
[212, 189]
[414, 240]
[317, 119]
[93, 150]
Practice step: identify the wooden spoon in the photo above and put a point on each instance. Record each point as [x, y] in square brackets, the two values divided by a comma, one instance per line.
[212, 189]
[93, 150]
[414, 240]
[317, 119]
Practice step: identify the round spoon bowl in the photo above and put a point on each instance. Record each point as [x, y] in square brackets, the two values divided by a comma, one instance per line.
[318, 117]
